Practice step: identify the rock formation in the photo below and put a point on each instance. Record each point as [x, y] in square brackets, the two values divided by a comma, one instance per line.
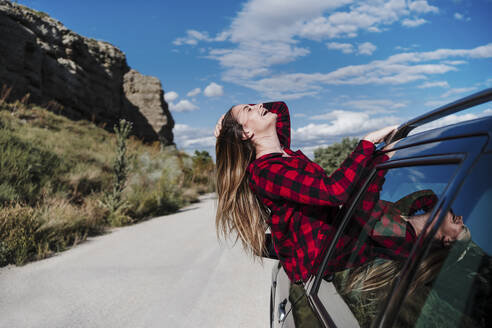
[88, 78]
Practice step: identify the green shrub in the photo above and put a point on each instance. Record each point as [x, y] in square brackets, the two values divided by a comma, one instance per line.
[62, 224]
[203, 171]
[162, 198]
[330, 158]
[25, 169]
[17, 234]
[113, 199]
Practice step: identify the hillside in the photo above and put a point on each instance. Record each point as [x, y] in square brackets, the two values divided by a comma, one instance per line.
[56, 175]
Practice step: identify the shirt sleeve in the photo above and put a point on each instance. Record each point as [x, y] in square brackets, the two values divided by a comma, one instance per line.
[287, 179]
[283, 121]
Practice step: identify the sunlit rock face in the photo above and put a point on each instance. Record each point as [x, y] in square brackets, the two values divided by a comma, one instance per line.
[76, 76]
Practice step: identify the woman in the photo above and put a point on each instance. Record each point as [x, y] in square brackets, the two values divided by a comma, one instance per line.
[262, 183]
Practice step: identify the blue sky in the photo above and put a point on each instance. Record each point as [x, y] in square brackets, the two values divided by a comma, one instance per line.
[343, 67]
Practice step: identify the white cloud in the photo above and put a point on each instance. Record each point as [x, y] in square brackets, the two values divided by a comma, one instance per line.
[441, 84]
[170, 96]
[183, 106]
[365, 15]
[373, 106]
[194, 92]
[346, 48]
[454, 62]
[436, 103]
[451, 119]
[265, 33]
[413, 22]
[309, 150]
[484, 51]
[397, 69]
[343, 123]
[461, 17]
[366, 48]
[213, 90]
[193, 37]
[407, 48]
[188, 137]
[457, 91]
[421, 6]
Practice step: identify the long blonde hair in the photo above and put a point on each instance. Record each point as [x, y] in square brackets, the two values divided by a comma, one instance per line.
[368, 278]
[239, 211]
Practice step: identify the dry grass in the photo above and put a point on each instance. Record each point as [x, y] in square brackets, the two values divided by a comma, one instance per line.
[54, 173]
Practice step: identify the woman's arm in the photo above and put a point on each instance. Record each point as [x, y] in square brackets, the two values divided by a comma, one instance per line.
[289, 179]
[283, 121]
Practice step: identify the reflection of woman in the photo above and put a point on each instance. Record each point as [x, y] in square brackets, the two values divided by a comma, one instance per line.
[383, 229]
[363, 287]
[389, 221]
[257, 173]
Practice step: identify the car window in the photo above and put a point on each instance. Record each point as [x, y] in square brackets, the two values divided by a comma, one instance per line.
[458, 288]
[378, 239]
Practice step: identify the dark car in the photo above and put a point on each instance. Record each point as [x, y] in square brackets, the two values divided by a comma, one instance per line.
[439, 179]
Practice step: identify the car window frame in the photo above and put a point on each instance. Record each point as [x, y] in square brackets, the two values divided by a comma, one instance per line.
[464, 158]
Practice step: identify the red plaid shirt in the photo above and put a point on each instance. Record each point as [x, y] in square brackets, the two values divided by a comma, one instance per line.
[303, 200]
[377, 228]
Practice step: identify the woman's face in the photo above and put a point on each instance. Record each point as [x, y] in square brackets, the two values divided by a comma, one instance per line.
[255, 119]
[450, 229]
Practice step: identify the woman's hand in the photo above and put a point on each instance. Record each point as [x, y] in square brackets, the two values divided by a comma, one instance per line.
[380, 135]
[218, 126]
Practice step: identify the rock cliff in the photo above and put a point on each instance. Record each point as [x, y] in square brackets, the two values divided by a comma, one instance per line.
[89, 78]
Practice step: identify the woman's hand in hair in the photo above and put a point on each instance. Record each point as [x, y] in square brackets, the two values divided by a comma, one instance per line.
[218, 126]
[380, 135]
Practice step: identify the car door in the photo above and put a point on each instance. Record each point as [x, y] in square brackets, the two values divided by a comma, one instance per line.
[459, 290]
[418, 182]
[280, 302]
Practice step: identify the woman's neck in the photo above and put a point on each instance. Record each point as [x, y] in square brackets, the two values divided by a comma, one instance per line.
[267, 144]
[418, 222]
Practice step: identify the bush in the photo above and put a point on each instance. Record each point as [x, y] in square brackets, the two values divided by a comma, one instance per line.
[203, 171]
[17, 234]
[330, 158]
[162, 198]
[113, 200]
[62, 224]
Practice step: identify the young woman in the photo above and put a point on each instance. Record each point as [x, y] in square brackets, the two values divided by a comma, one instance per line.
[262, 183]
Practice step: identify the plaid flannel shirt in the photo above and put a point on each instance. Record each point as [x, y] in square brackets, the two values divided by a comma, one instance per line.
[377, 228]
[303, 200]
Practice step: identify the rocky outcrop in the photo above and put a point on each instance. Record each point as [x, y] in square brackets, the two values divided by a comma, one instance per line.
[145, 93]
[88, 78]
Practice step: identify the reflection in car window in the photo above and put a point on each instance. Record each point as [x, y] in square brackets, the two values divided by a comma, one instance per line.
[459, 294]
[383, 229]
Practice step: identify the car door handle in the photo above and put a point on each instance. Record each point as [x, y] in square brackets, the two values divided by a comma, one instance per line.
[281, 310]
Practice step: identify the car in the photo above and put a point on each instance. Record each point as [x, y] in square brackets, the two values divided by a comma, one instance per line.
[438, 281]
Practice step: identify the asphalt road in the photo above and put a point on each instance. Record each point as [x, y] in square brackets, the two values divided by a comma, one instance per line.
[165, 272]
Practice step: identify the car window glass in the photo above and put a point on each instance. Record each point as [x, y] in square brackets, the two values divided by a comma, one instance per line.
[458, 287]
[380, 235]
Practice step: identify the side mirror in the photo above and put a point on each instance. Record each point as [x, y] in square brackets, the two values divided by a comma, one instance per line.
[269, 250]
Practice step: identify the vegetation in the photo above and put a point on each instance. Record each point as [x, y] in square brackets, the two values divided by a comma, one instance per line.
[330, 158]
[113, 199]
[62, 181]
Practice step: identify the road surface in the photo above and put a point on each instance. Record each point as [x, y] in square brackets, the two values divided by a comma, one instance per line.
[165, 272]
